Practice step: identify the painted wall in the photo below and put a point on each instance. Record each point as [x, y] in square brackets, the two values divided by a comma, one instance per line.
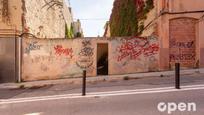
[62, 58]
[130, 55]
[159, 25]
[53, 59]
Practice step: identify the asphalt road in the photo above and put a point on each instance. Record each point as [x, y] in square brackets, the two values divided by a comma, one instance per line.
[150, 82]
[131, 97]
[133, 104]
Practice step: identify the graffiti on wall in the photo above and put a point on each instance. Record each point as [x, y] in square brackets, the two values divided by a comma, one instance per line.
[181, 57]
[182, 51]
[133, 48]
[39, 59]
[61, 51]
[174, 44]
[182, 42]
[32, 46]
[85, 55]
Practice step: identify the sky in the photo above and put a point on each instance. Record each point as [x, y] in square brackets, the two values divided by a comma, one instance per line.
[93, 15]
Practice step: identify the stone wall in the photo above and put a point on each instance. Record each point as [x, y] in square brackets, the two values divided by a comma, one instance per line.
[10, 15]
[45, 19]
[42, 18]
[61, 58]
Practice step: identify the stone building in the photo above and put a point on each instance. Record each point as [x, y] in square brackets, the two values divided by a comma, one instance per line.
[78, 32]
[179, 25]
[107, 32]
[41, 18]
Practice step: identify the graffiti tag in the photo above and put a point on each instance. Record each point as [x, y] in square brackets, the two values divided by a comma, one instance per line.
[182, 51]
[32, 46]
[181, 57]
[85, 55]
[174, 44]
[135, 47]
[60, 51]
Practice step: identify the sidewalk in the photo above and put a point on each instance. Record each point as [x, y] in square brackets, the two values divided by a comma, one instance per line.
[96, 79]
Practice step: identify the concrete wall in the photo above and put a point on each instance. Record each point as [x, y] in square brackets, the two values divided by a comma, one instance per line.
[130, 55]
[53, 59]
[61, 58]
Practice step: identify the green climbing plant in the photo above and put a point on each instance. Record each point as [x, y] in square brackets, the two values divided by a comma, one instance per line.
[125, 20]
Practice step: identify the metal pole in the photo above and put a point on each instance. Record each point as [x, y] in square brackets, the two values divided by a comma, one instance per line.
[84, 83]
[177, 75]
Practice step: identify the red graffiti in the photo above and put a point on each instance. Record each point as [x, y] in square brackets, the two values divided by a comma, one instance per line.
[135, 47]
[59, 50]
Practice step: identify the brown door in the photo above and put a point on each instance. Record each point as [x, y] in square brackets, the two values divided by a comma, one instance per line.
[102, 59]
[183, 42]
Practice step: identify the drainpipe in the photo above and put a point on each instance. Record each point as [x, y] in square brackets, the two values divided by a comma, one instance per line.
[18, 59]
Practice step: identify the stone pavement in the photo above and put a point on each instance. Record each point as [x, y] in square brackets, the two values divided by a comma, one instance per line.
[97, 79]
[100, 84]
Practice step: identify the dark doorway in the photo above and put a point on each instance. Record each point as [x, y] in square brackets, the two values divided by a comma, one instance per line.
[102, 59]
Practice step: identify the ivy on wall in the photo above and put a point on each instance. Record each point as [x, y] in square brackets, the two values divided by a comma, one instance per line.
[128, 15]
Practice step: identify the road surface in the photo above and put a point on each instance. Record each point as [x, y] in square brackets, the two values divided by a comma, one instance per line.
[132, 97]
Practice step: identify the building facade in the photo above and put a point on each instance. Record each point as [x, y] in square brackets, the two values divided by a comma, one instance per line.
[178, 25]
[41, 18]
[78, 32]
[107, 32]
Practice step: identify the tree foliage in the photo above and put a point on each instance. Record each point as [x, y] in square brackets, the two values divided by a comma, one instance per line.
[126, 15]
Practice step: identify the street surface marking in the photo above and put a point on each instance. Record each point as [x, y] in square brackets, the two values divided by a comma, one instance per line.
[102, 94]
